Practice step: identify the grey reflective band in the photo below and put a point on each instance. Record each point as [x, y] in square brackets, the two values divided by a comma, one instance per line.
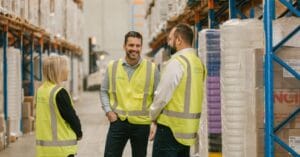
[188, 86]
[113, 78]
[52, 114]
[186, 135]
[147, 85]
[54, 141]
[132, 113]
[187, 99]
[144, 111]
[182, 114]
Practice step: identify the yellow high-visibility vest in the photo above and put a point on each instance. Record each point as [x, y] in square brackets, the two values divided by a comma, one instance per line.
[132, 98]
[182, 113]
[54, 137]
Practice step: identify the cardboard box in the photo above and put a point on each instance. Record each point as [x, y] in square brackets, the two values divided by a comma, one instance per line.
[2, 123]
[27, 124]
[27, 109]
[29, 99]
[2, 140]
[291, 55]
[289, 136]
[13, 138]
[286, 101]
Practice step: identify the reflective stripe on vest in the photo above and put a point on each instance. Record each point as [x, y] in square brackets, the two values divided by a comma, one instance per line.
[144, 111]
[185, 114]
[185, 135]
[55, 141]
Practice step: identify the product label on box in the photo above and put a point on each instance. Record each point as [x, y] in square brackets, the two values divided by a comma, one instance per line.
[294, 143]
[293, 63]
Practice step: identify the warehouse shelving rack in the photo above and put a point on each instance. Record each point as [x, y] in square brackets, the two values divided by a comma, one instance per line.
[270, 56]
[29, 39]
[218, 11]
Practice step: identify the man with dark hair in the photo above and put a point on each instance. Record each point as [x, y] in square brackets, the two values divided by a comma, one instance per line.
[126, 94]
[176, 108]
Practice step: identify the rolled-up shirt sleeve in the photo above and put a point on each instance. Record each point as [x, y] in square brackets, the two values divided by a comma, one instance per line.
[169, 81]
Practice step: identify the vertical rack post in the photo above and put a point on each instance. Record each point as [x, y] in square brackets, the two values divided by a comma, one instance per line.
[31, 86]
[268, 74]
[211, 14]
[41, 47]
[4, 37]
[232, 9]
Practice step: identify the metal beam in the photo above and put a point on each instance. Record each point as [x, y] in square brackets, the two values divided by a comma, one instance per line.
[4, 39]
[232, 9]
[31, 85]
[268, 74]
[286, 66]
[41, 47]
[286, 39]
[285, 146]
[290, 7]
[287, 120]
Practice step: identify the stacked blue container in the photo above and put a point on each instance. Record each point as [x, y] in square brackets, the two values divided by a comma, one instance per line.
[213, 95]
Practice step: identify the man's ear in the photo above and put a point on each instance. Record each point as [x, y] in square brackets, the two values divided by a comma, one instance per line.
[179, 40]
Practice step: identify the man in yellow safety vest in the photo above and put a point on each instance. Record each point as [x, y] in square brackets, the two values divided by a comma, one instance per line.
[176, 108]
[126, 94]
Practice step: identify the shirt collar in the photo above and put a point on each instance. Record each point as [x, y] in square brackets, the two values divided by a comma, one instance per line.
[186, 50]
[124, 62]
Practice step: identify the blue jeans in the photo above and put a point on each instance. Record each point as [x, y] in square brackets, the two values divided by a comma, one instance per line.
[120, 132]
[165, 145]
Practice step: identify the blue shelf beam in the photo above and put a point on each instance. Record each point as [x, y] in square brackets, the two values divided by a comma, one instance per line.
[252, 13]
[287, 120]
[291, 7]
[232, 9]
[286, 66]
[268, 74]
[241, 14]
[31, 85]
[289, 36]
[199, 28]
[5, 42]
[270, 137]
[285, 146]
[211, 14]
[40, 51]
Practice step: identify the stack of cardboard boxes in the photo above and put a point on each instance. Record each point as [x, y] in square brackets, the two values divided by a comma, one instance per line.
[286, 101]
[28, 114]
[2, 132]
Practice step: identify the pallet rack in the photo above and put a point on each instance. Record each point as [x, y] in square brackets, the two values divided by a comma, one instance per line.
[270, 56]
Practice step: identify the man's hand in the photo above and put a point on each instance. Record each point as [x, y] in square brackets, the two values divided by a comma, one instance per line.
[111, 116]
[153, 128]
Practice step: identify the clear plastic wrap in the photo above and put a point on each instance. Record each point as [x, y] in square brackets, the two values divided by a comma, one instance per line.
[239, 39]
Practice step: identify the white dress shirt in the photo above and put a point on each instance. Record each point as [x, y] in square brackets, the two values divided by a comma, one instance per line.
[171, 76]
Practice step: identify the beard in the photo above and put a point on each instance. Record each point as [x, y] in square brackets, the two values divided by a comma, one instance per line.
[133, 55]
[170, 49]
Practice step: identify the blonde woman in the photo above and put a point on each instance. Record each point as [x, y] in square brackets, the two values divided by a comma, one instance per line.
[58, 127]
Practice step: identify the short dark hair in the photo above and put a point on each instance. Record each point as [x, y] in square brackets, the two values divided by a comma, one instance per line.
[185, 32]
[133, 34]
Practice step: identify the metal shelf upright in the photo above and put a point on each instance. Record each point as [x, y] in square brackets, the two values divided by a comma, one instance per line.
[270, 56]
[4, 44]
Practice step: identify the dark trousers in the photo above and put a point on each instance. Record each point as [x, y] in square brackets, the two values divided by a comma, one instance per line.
[120, 132]
[165, 145]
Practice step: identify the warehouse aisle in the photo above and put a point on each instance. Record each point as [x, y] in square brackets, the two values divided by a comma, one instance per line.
[94, 129]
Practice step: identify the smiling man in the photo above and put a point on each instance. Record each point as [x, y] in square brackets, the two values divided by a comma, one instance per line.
[126, 94]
